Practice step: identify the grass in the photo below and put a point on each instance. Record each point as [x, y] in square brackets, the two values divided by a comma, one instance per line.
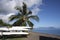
[13, 38]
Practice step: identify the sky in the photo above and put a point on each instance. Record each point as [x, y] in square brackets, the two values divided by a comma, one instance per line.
[49, 14]
[48, 11]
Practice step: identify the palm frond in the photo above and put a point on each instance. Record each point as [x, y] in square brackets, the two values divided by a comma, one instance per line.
[30, 12]
[18, 8]
[17, 23]
[13, 17]
[30, 23]
[34, 17]
[24, 24]
[24, 8]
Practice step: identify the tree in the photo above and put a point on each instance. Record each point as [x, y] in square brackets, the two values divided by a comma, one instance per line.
[23, 17]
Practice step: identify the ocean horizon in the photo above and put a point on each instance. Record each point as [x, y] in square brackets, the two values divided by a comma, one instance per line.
[53, 31]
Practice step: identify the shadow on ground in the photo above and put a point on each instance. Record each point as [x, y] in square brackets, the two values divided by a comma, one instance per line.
[47, 38]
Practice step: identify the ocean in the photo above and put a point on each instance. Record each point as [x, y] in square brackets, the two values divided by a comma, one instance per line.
[54, 31]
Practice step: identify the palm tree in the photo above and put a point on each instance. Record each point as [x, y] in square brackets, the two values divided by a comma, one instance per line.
[23, 17]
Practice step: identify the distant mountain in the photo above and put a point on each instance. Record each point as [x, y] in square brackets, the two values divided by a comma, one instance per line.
[45, 28]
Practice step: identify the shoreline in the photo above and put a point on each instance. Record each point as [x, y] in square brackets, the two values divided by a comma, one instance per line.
[47, 34]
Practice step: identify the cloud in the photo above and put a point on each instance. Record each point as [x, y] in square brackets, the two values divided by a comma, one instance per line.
[5, 18]
[1, 16]
[31, 3]
[7, 7]
[35, 10]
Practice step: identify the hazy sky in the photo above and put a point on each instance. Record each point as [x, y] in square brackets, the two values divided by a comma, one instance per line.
[47, 10]
[49, 14]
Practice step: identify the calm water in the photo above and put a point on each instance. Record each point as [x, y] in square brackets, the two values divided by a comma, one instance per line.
[47, 30]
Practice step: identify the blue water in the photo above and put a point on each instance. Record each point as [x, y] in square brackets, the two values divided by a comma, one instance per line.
[47, 31]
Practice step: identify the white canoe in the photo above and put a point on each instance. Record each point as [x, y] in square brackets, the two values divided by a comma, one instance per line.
[21, 27]
[15, 33]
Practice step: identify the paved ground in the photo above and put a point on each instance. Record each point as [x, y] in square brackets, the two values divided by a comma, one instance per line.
[32, 36]
[38, 36]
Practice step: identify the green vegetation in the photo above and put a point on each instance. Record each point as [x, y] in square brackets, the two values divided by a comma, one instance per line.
[14, 39]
